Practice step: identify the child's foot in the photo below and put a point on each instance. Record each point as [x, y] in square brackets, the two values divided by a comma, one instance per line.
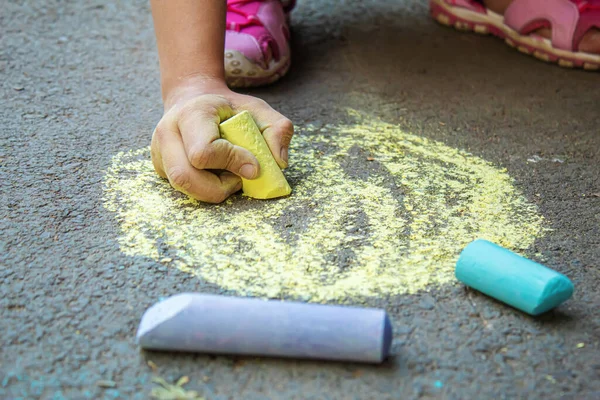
[257, 51]
[563, 31]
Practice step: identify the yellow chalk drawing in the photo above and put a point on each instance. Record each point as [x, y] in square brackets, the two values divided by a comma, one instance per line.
[374, 211]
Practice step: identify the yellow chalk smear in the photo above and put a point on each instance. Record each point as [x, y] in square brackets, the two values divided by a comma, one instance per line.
[341, 236]
[241, 130]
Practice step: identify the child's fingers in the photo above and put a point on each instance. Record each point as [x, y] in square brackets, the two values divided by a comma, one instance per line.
[201, 185]
[198, 123]
[155, 155]
[276, 129]
[278, 136]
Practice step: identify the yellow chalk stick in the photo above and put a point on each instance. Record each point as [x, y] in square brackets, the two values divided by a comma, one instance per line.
[241, 130]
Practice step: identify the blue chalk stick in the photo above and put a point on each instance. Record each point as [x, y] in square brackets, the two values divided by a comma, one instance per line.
[231, 325]
[512, 279]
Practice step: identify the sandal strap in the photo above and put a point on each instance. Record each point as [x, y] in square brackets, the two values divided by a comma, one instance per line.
[589, 17]
[569, 20]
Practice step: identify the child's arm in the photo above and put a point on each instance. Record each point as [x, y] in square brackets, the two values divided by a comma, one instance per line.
[186, 146]
[190, 37]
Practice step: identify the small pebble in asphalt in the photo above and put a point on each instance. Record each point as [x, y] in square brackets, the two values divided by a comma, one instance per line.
[106, 384]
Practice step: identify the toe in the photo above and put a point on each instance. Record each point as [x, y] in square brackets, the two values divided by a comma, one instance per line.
[590, 43]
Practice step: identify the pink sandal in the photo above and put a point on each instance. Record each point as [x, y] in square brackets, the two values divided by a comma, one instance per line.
[568, 19]
[257, 50]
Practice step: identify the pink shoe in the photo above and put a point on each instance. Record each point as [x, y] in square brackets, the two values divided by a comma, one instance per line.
[257, 51]
[568, 19]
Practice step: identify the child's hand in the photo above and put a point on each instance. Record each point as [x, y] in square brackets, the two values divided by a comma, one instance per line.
[187, 148]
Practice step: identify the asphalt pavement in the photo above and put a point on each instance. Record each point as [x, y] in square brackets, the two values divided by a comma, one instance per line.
[81, 258]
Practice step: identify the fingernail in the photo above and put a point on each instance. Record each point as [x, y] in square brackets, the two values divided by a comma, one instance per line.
[248, 171]
[284, 154]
